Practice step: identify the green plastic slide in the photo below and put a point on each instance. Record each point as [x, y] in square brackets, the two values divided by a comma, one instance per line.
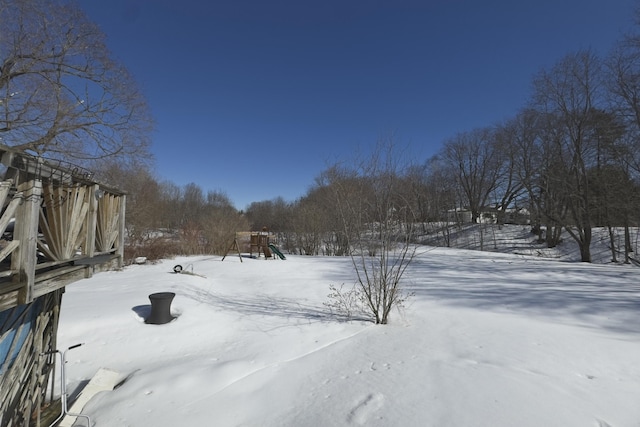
[277, 251]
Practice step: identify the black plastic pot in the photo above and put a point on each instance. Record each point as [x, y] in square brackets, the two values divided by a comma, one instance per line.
[160, 308]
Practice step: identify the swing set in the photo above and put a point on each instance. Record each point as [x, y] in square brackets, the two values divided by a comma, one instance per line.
[259, 242]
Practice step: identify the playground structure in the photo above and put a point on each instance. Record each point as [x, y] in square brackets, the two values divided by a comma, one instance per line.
[255, 241]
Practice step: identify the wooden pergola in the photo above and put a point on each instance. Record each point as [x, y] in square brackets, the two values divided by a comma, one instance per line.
[57, 226]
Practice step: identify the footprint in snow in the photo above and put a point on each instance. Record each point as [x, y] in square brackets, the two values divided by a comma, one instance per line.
[367, 408]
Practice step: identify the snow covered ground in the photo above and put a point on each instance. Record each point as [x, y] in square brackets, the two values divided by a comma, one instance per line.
[518, 239]
[487, 339]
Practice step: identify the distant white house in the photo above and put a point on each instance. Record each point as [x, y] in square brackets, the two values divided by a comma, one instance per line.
[489, 215]
[459, 215]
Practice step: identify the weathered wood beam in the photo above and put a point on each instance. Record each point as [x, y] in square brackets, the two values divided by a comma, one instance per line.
[26, 231]
[95, 260]
[89, 246]
[121, 219]
[53, 280]
[11, 246]
[8, 299]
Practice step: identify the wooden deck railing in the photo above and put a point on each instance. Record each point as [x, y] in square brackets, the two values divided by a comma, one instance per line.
[56, 227]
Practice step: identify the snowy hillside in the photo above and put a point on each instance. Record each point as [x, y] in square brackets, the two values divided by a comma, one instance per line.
[518, 239]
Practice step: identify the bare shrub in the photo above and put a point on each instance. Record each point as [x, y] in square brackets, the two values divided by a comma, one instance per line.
[379, 223]
[152, 249]
[347, 303]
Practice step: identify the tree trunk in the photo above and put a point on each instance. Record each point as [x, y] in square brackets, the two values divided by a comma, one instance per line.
[553, 235]
[613, 244]
[585, 245]
[627, 243]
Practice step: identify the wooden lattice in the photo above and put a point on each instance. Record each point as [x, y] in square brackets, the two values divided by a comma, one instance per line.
[78, 226]
[28, 330]
[62, 217]
[107, 229]
[6, 248]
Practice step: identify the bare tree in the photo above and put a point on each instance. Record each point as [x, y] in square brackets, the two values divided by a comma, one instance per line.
[441, 195]
[614, 197]
[61, 93]
[220, 222]
[308, 223]
[623, 84]
[380, 228]
[144, 210]
[570, 95]
[192, 212]
[509, 187]
[171, 201]
[535, 163]
[476, 163]
[315, 221]
[416, 192]
[268, 213]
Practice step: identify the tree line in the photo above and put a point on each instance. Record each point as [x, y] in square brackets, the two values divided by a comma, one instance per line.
[569, 157]
[164, 219]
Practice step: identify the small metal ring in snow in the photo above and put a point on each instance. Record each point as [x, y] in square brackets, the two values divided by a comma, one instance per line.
[177, 269]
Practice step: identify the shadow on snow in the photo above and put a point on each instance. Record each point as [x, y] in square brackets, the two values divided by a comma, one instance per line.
[594, 295]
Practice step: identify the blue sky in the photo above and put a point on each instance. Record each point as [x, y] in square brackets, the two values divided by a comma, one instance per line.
[255, 98]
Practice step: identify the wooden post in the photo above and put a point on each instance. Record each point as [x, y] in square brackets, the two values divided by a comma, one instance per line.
[26, 231]
[121, 231]
[235, 246]
[42, 320]
[89, 247]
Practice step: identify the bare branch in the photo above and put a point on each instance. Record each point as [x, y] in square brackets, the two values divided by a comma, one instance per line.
[61, 93]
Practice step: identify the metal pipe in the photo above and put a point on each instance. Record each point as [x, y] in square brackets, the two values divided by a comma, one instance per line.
[63, 385]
